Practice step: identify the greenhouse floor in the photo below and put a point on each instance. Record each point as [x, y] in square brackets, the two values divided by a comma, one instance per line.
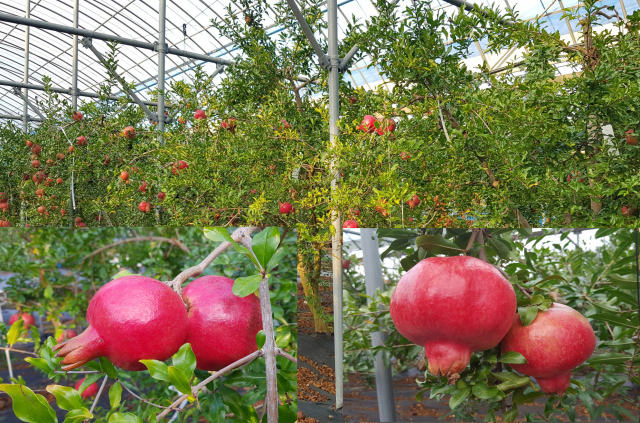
[361, 405]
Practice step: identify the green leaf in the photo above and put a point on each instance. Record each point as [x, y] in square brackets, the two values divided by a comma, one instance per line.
[123, 273]
[124, 418]
[420, 394]
[511, 415]
[28, 406]
[512, 357]
[265, 244]
[216, 408]
[108, 368]
[436, 244]
[527, 315]
[67, 398]
[276, 259]
[621, 282]
[622, 410]
[157, 369]
[36, 338]
[40, 363]
[14, 332]
[261, 338]
[511, 380]
[613, 319]
[246, 285]
[115, 394]
[549, 278]
[78, 416]
[91, 378]
[459, 396]
[185, 360]
[527, 398]
[483, 391]
[179, 380]
[537, 299]
[577, 383]
[218, 234]
[286, 414]
[610, 358]
[500, 246]
[491, 416]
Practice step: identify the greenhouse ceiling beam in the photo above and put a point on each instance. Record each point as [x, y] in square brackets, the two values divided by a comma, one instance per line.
[13, 117]
[5, 17]
[24, 98]
[63, 91]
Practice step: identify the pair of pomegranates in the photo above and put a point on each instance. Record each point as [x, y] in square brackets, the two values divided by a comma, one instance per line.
[135, 318]
[454, 306]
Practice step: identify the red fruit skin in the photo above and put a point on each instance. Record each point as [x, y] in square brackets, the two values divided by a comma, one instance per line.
[70, 333]
[559, 340]
[346, 264]
[27, 319]
[631, 140]
[350, 224]
[82, 140]
[368, 124]
[161, 196]
[144, 207]
[453, 306]
[222, 326]
[131, 318]
[286, 208]
[90, 391]
[77, 116]
[129, 132]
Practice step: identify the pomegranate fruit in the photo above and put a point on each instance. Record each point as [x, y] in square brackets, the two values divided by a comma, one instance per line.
[453, 306]
[77, 116]
[131, 318]
[161, 196]
[82, 140]
[35, 163]
[287, 125]
[222, 326]
[350, 224]
[353, 100]
[29, 143]
[388, 126]
[124, 175]
[129, 132]
[229, 125]
[405, 155]
[415, 201]
[41, 210]
[368, 124]
[144, 207]
[143, 187]
[286, 208]
[59, 181]
[36, 149]
[182, 120]
[631, 140]
[27, 318]
[71, 149]
[4, 206]
[346, 264]
[559, 340]
[178, 166]
[67, 334]
[89, 391]
[199, 115]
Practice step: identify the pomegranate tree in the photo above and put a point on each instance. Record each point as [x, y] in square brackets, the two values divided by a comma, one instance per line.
[453, 306]
[149, 322]
[559, 340]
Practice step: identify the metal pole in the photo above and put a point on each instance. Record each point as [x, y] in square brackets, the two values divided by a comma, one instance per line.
[74, 71]
[25, 110]
[161, 53]
[336, 241]
[13, 117]
[67, 91]
[373, 281]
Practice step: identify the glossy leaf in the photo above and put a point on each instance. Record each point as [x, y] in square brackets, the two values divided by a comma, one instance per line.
[458, 397]
[246, 285]
[29, 406]
[124, 418]
[179, 380]
[115, 394]
[185, 360]
[157, 369]
[78, 416]
[264, 245]
[67, 398]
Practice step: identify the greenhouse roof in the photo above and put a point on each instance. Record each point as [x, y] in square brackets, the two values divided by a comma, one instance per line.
[188, 27]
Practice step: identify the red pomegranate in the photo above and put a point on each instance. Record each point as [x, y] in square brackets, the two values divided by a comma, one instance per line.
[3, 197]
[178, 166]
[67, 334]
[124, 175]
[631, 140]
[368, 124]
[350, 224]
[229, 125]
[453, 306]
[405, 155]
[346, 264]
[131, 318]
[559, 340]
[129, 132]
[286, 124]
[36, 149]
[77, 116]
[286, 208]
[222, 326]
[161, 196]
[41, 210]
[199, 115]
[59, 181]
[415, 201]
[4, 207]
[27, 318]
[82, 140]
[182, 120]
[35, 163]
[89, 391]
[29, 143]
[388, 126]
[143, 187]
[144, 207]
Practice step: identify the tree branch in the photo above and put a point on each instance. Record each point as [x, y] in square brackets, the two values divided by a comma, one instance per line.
[171, 241]
[285, 355]
[238, 235]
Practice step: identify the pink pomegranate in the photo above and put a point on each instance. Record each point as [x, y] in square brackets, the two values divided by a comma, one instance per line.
[199, 115]
[368, 124]
[90, 390]
[222, 326]
[129, 132]
[559, 340]
[350, 224]
[388, 126]
[131, 318]
[453, 306]
[27, 319]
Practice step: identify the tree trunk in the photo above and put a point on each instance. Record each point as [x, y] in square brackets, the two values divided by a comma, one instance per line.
[310, 278]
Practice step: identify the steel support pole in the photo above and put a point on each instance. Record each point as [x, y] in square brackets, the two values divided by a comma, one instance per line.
[13, 117]
[161, 55]
[373, 281]
[25, 79]
[74, 70]
[336, 241]
[28, 103]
